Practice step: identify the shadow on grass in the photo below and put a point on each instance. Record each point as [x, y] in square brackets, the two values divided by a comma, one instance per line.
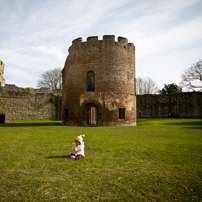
[192, 125]
[57, 157]
[143, 122]
[31, 124]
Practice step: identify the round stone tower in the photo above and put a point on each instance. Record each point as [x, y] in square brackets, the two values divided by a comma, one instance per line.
[99, 83]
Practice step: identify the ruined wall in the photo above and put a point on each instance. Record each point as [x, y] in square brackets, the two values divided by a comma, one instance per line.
[1, 72]
[179, 105]
[17, 104]
[113, 66]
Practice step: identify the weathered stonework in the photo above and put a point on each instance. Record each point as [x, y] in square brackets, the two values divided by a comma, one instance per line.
[111, 99]
[179, 105]
[113, 96]
[17, 104]
[1, 72]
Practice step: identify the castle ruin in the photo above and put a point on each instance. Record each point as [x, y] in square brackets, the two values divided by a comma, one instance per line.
[99, 83]
[18, 104]
[1, 72]
[98, 90]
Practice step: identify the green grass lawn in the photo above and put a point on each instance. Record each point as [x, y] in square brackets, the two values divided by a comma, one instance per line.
[158, 160]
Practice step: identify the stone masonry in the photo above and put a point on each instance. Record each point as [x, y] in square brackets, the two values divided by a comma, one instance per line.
[98, 83]
[179, 105]
[17, 104]
[98, 90]
[1, 72]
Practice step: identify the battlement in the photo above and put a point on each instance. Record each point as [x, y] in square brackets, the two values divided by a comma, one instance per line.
[1, 63]
[108, 40]
[92, 39]
[1, 66]
[122, 40]
[77, 41]
[1, 72]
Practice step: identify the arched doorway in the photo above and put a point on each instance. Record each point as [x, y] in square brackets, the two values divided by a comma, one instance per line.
[91, 114]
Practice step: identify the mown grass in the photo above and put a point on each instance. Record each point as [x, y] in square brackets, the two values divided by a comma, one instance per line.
[158, 160]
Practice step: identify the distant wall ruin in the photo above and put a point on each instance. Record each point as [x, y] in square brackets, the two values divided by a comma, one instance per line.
[17, 104]
[179, 105]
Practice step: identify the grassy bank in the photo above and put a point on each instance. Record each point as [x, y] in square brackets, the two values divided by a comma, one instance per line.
[158, 160]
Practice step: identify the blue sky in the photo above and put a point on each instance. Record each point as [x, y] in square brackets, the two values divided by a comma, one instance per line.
[35, 35]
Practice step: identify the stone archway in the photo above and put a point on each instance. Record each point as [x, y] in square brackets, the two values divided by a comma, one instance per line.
[90, 114]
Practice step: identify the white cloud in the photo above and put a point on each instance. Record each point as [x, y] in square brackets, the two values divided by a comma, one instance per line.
[180, 36]
[35, 35]
[52, 51]
[21, 77]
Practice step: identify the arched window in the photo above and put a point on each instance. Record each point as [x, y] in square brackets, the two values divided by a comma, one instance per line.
[90, 81]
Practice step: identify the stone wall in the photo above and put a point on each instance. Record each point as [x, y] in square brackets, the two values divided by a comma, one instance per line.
[113, 65]
[179, 105]
[17, 104]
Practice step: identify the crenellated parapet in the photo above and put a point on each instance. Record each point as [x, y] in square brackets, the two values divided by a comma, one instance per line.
[108, 41]
[1, 72]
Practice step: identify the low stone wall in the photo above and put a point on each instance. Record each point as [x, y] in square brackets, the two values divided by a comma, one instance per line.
[17, 104]
[179, 105]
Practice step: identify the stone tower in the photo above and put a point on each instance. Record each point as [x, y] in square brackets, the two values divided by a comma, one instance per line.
[99, 83]
[1, 72]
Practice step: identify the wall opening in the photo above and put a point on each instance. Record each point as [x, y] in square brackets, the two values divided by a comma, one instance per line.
[90, 81]
[66, 114]
[2, 118]
[91, 116]
[121, 113]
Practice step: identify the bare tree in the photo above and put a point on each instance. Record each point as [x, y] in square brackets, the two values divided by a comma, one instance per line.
[192, 77]
[146, 86]
[51, 79]
[139, 86]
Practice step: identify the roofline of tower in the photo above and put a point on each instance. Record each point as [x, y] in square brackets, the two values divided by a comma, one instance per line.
[107, 39]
